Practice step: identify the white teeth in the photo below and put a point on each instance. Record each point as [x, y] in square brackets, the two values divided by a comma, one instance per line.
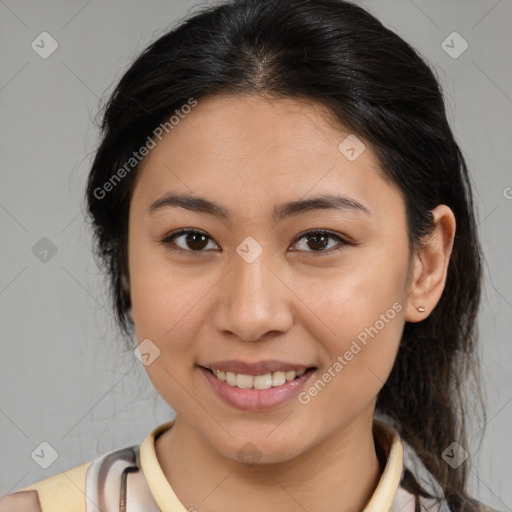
[265, 381]
[290, 375]
[278, 378]
[244, 381]
[231, 378]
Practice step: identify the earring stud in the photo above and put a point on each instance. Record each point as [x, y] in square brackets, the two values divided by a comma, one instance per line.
[421, 309]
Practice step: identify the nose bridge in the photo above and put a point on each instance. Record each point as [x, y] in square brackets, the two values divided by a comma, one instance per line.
[252, 301]
[251, 278]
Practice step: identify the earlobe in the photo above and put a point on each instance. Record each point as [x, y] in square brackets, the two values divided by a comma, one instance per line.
[430, 266]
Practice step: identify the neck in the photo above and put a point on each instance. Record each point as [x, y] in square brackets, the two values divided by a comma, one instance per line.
[338, 475]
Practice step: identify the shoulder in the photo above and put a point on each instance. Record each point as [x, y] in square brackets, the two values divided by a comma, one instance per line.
[486, 508]
[437, 500]
[97, 486]
[59, 493]
[413, 477]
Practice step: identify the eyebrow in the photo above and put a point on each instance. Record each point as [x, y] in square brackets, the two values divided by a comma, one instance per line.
[282, 211]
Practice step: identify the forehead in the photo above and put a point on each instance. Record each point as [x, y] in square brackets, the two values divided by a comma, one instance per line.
[270, 149]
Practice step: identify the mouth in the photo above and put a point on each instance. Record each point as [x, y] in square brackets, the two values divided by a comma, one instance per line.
[255, 391]
[263, 381]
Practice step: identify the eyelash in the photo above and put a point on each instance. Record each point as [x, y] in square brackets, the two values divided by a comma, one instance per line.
[167, 241]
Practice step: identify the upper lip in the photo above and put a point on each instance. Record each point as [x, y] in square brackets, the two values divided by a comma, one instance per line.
[257, 368]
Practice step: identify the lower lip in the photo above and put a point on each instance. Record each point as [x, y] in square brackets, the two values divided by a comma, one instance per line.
[257, 399]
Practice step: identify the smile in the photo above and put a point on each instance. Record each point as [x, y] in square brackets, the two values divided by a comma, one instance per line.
[256, 387]
[265, 381]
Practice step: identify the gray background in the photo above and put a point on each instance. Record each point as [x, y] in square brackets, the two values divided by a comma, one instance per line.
[65, 377]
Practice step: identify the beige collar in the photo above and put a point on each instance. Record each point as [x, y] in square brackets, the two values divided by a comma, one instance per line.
[381, 500]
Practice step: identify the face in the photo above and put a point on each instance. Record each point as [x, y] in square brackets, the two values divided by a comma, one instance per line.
[270, 281]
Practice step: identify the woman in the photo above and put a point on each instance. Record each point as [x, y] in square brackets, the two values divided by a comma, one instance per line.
[288, 227]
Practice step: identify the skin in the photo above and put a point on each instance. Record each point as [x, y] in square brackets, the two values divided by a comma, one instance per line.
[250, 154]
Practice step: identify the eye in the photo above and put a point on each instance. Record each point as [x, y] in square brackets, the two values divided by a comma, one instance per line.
[318, 241]
[192, 240]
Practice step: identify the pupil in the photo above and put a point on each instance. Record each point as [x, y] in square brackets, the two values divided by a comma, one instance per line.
[319, 240]
[196, 241]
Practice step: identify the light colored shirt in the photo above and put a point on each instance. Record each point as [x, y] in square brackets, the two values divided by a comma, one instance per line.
[132, 480]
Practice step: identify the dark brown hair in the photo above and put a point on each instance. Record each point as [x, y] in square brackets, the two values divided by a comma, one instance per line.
[336, 54]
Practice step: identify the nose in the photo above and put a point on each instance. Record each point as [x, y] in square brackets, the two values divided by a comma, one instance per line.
[253, 303]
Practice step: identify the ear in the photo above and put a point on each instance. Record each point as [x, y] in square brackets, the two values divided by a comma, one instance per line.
[430, 266]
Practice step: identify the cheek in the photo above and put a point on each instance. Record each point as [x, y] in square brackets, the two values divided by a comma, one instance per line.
[165, 311]
[353, 299]
[360, 319]
[163, 295]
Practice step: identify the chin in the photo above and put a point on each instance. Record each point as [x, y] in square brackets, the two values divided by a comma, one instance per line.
[255, 446]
